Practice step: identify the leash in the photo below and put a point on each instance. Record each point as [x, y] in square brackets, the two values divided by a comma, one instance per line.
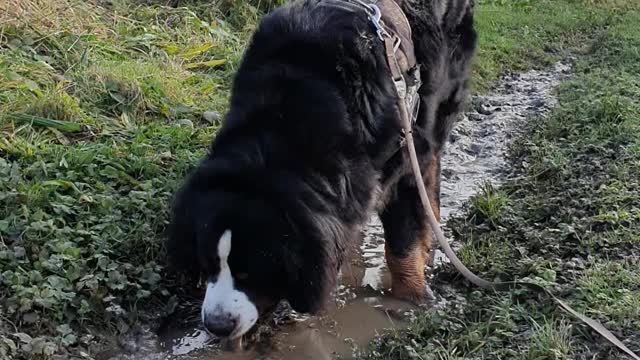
[407, 101]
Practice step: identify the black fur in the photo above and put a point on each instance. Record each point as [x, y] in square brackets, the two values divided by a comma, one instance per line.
[300, 161]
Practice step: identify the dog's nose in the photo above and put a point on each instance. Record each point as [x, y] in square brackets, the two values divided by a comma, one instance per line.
[221, 326]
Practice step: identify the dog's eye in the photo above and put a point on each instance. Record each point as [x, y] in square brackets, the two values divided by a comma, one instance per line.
[242, 276]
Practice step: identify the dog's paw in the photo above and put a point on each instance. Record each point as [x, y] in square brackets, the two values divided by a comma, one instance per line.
[411, 291]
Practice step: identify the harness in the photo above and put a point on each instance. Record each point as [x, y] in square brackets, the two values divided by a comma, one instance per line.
[394, 30]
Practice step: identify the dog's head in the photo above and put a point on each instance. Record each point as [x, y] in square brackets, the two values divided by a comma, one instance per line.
[252, 252]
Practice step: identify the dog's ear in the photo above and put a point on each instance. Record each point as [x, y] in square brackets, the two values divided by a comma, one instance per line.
[181, 241]
[313, 268]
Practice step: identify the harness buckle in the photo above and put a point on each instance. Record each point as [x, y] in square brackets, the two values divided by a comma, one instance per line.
[375, 19]
[401, 87]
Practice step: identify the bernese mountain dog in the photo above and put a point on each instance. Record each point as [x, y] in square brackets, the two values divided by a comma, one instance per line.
[309, 149]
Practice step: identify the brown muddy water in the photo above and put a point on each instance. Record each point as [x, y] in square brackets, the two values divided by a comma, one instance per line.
[361, 308]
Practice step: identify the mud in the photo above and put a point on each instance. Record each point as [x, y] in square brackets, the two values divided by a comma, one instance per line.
[361, 307]
[478, 142]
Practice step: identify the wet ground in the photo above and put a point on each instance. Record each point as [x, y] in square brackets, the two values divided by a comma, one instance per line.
[361, 308]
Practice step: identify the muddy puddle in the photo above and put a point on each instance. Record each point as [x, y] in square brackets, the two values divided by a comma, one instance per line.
[361, 307]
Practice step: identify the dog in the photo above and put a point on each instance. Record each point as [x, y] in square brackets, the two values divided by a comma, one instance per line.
[308, 150]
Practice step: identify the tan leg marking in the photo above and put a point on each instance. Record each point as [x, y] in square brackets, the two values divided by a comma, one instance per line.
[407, 274]
[431, 182]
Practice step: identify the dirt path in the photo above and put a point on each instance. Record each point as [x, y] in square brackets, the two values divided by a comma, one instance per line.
[361, 309]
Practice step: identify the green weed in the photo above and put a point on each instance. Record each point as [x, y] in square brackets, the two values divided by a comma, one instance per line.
[550, 340]
[489, 205]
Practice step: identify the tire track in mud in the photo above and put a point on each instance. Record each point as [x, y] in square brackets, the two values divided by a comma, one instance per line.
[361, 309]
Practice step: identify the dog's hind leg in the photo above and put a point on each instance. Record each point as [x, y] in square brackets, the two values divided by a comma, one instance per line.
[408, 237]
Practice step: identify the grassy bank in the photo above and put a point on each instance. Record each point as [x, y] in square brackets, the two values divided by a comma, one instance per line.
[101, 115]
[105, 105]
[568, 219]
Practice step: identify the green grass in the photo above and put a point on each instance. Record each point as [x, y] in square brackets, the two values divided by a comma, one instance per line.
[551, 340]
[569, 220]
[101, 116]
[93, 99]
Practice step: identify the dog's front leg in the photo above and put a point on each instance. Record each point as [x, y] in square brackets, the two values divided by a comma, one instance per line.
[407, 234]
